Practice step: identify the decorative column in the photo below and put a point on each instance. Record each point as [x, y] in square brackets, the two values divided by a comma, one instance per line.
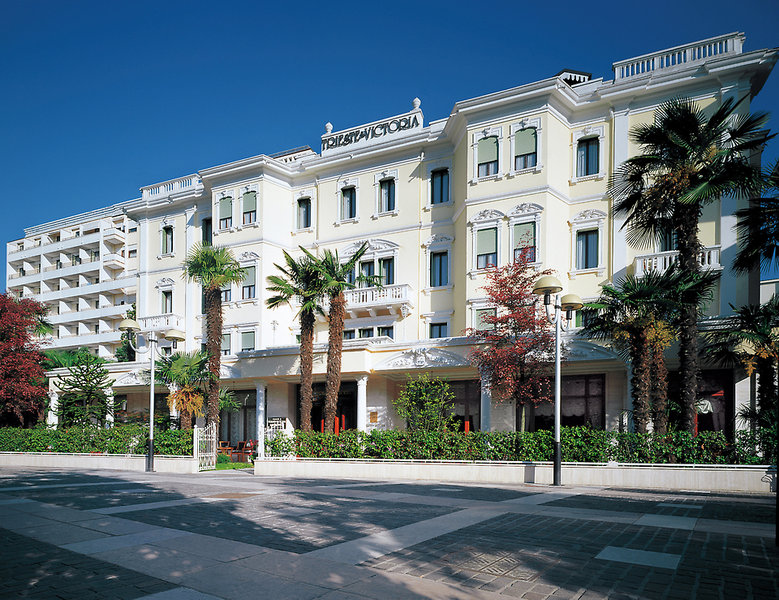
[362, 403]
[109, 415]
[260, 412]
[486, 405]
[51, 417]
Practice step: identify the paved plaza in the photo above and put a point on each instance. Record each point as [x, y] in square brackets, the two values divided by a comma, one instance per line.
[231, 534]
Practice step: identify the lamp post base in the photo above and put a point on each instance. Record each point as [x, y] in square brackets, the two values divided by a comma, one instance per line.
[558, 464]
[150, 457]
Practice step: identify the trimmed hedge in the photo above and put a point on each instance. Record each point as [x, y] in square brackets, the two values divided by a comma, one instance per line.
[579, 444]
[126, 439]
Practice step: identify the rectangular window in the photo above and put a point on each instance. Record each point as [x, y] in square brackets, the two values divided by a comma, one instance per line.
[367, 270]
[487, 150]
[366, 332]
[439, 330]
[249, 282]
[587, 249]
[130, 253]
[75, 259]
[227, 294]
[206, 230]
[167, 240]
[525, 241]
[386, 332]
[584, 318]
[439, 269]
[348, 334]
[225, 213]
[225, 344]
[482, 319]
[247, 341]
[304, 213]
[525, 149]
[167, 302]
[350, 277]
[249, 208]
[486, 248]
[348, 203]
[587, 157]
[387, 270]
[387, 193]
[440, 186]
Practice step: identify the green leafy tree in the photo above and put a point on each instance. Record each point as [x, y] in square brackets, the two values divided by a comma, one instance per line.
[337, 278]
[188, 374]
[427, 404]
[758, 228]
[213, 267]
[84, 398]
[124, 352]
[687, 161]
[300, 281]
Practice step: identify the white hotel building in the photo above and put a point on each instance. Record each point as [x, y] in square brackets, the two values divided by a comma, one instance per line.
[436, 201]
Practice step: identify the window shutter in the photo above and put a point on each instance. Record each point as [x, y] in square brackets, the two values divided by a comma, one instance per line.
[487, 241]
[488, 149]
[226, 208]
[247, 339]
[249, 201]
[225, 342]
[592, 249]
[525, 141]
[524, 235]
[592, 162]
[250, 276]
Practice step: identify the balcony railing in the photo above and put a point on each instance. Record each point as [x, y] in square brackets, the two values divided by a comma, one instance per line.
[708, 258]
[24, 273]
[695, 52]
[388, 294]
[161, 322]
[182, 184]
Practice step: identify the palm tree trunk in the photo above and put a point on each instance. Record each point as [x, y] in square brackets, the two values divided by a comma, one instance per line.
[686, 219]
[185, 420]
[214, 347]
[641, 383]
[659, 392]
[306, 369]
[334, 347]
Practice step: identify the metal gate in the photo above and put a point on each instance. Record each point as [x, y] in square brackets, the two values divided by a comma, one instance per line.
[204, 443]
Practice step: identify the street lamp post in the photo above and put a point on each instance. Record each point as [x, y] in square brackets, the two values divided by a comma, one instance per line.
[546, 286]
[174, 335]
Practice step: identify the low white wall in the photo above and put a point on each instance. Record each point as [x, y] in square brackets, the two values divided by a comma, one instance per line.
[124, 462]
[709, 478]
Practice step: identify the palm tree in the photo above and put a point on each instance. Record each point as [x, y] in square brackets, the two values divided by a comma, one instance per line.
[758, 228]
[337, 277]
[213, 267]
[301, 280]
[688, 162]
[189, 373]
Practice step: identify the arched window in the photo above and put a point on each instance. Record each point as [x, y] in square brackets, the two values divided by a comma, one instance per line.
[488, 156]
[225, 212]
[525, 148]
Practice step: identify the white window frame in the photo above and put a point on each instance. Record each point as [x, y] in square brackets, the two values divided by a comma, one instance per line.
[232, 343]
[588, 220]
[478, 136]
[377, 179]
[515, 127]
[477, 304]
[166, 222]
[244, 190]
[241, 331]
[377, 249]
[486, 219]
[352, 182]
[203, 219]
[527, 212]
[439, 316]
[249, 259]
[429, 168]
[589, 131]
[370, 322]
[309, 193]
[437, 243]
[216, 214]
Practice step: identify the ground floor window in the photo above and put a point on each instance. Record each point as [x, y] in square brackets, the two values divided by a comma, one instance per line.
[583, 403]
[467, 404]
[240, 425]
[345, 412]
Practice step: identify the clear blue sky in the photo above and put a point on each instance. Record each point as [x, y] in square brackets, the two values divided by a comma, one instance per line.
[100, 98]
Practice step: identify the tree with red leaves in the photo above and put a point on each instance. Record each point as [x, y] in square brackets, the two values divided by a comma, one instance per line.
[22, 387]
[514, 345]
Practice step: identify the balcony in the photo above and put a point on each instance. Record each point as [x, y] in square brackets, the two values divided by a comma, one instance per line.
[87, 314]
[23, 273]
[708, 258]
[87, 339]
[113, 261]
[372, 301]
[161, 322]
[678, 57]
[172, 186]
[112, 235]
[80, 241]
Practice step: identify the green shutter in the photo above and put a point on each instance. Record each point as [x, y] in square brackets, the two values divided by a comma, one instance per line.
[247, 340]
[250, 276]
[525, 141]
[225, 342]
[249, 201]
[226, 208]
[487, 241]
[524, 235]
[488, 149]
[481, 324]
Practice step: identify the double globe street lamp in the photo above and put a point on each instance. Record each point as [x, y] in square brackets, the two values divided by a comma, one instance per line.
[547, 286]
[174, 335]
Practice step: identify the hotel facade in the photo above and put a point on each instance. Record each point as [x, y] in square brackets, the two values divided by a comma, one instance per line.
[436, 202]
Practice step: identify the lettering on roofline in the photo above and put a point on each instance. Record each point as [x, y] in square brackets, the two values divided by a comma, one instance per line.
[366, 134]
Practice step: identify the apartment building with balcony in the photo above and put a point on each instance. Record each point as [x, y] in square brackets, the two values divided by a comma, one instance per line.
[437, 202]
[83, 268]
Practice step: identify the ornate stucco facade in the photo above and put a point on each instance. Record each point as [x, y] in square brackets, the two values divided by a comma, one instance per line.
[436, 201]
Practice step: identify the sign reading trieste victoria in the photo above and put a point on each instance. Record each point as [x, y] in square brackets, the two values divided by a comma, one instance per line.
[370, 132]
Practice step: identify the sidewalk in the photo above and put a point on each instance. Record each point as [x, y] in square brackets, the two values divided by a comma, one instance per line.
[234, 535]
